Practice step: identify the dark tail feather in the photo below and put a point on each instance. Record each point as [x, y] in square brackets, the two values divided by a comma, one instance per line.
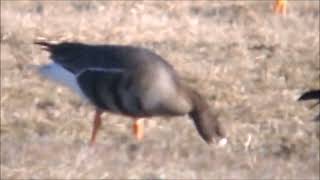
[45, 45]
[313, 94]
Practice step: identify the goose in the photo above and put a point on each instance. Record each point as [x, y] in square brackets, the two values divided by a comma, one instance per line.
[311, 95]
[128, 80]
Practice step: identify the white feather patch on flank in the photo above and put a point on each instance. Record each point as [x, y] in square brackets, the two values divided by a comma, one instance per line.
[57, 73]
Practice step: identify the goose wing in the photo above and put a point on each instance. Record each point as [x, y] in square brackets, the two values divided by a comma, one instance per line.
[76, 57]
[108, 89]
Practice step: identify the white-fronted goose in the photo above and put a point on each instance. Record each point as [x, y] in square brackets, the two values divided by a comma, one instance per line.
[128, 80]
[312, 95]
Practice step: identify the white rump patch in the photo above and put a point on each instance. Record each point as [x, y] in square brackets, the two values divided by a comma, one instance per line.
[57, 73]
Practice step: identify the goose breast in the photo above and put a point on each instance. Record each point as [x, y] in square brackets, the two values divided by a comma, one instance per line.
[157, 90]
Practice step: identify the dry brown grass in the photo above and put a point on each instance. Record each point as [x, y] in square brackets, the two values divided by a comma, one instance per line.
[251, 64]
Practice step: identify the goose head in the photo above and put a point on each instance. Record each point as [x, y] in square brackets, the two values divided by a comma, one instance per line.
[205, 119]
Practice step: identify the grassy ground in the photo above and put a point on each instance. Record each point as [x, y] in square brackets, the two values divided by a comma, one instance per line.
[251, 64]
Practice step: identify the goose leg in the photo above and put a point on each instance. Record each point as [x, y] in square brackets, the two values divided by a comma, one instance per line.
[96, 126]
[137, 128]
[280, 7]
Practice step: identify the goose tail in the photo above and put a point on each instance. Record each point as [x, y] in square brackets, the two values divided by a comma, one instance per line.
[45, 45]
[313, 94]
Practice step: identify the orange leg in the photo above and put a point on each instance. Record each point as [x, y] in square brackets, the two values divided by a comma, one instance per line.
[138, 128]
[96, 126]
[280, 7]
